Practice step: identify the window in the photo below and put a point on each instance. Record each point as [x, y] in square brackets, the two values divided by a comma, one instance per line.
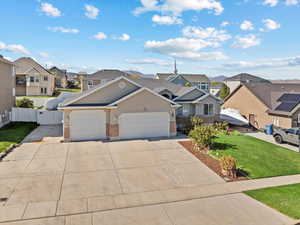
[208, 109]
[31, 79]
[204, 86]
[90, 84]
[14, 92]
[45, 78]
[185, 109]
[37, 79]
[42, 90]
[298, 118]
[45, 90]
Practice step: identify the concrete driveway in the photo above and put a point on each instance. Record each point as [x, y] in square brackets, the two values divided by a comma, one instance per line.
[119, 183]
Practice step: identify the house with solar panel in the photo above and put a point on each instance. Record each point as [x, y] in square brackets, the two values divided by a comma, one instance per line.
[267, 103]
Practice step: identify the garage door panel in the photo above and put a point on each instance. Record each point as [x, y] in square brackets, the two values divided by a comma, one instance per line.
[144, 125]
[87, 125]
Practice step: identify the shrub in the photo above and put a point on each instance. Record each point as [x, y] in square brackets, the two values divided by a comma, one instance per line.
[228, 166]
[202, 137]
[25, 103]
[221, 128]
[196, 121]
[224, 92]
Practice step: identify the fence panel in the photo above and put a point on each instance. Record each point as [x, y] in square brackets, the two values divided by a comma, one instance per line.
[49, 117]
[23, 115]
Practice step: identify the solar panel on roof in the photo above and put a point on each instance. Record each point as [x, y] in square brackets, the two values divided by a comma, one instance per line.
[289, 98]
[287, 106]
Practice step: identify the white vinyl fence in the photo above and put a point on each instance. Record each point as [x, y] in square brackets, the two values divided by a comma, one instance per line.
[42, 117]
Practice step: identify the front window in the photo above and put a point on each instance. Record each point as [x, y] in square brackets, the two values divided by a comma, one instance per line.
[90, 83]
[208, 109]
[45, 78]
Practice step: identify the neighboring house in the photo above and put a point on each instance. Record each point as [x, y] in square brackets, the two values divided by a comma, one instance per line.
[267, 103]
[60, 77]
[7, 89]
[243, 78]
[200, 81]
[118, 109]
[103, 76]
[215, 88]
[33, 79]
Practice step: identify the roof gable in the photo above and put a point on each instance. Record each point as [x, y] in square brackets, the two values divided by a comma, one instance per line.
[25, 64]
[191, 94]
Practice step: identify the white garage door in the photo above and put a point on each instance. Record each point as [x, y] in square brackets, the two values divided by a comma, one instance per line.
[144, 125]
[87, 125]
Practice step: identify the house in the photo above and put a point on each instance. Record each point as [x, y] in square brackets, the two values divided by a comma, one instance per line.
[103, 76]
[118, 109]
[7, 89]
[267, 103]
[242, 78]
[200, 81]
[215, 88]
[33, 79]
[60, 77]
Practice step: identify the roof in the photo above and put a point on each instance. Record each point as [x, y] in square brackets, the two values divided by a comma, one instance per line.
[25, 64]
[2, 59]
[245, 78]
[109, 74]
[189, 77]
[270, 94]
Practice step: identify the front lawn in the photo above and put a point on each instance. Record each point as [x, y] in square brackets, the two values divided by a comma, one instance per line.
[14, 133]
[285, 199]
[256, 157]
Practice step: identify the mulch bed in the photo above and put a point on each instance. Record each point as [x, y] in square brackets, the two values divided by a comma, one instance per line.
[209, 161]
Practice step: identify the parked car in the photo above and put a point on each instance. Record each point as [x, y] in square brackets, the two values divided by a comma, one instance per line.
[286, 135]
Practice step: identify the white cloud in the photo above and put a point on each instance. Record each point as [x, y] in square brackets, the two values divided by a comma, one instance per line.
[184, 48]
[64, 30]
[271, 3]
[247, 25]
[44, 54]
[225, 24]
[262, 64]
[176, 7]
[50, 10]
[91, 11]
[166, 20]
[246, 41]
[270, 25]
[100, 36]
[150, 61]
[209, 33]
[15, 48]
[123, 37]
[292, 2]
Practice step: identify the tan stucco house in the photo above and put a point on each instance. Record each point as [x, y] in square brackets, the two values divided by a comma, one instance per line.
[118, 109]
[267, 103]
[33, 79]
[7, 89]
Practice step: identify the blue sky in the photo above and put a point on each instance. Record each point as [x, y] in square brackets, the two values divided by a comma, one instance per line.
[215, 37]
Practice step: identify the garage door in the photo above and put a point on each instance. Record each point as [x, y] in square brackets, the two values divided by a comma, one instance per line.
[144, 125]
[87, 125]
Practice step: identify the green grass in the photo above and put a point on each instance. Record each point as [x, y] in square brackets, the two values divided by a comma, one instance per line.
[256, 157]
[74, 90]
[35, 96]
[14, 133]
[285, 199]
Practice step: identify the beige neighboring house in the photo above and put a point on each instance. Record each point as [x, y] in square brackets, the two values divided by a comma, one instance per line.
[7, 89]
[88, 81]
[32, 79]
[118, 109]
[267, 103]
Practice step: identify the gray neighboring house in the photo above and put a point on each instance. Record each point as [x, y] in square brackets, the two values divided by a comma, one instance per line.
[7, 89]
[243, 78]
[200, 81]
[89, 81]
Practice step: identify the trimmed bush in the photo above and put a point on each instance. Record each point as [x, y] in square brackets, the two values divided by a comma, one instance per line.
[228, 165]
[25, 103]
[202, 137]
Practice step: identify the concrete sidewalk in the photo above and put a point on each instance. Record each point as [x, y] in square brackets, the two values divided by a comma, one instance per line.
[269, 138]
[44, 132]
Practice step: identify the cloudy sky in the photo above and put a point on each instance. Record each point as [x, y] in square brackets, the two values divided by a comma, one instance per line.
[215, 37]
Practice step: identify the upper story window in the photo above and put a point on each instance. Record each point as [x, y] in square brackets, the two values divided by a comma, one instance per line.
[45, 78]
[208, 109]
[90, 83]
[204, 86]
[31, 79]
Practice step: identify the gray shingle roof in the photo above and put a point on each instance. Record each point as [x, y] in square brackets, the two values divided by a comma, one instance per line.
[245, 77]
[189, 77]
[107, 74]
[25, 64]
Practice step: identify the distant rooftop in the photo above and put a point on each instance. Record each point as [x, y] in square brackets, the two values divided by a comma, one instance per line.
[247, 78]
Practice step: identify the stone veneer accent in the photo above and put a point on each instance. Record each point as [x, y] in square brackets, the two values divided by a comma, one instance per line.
[173, 128]
[112, 130]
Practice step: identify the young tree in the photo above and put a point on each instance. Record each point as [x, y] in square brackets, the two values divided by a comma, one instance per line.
[224, 92]
[25, 103]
